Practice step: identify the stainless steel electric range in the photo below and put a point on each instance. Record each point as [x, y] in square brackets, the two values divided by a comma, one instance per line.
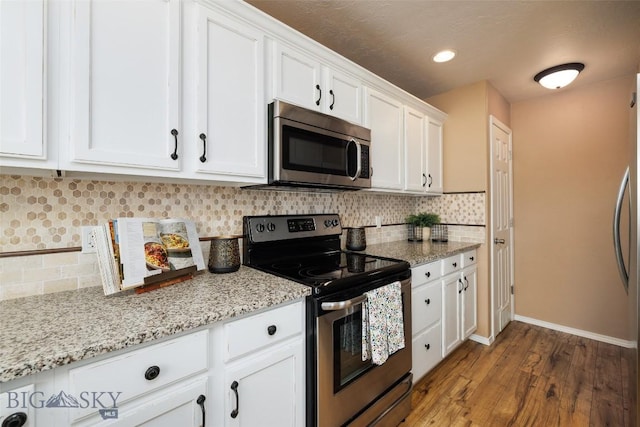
[341, 388]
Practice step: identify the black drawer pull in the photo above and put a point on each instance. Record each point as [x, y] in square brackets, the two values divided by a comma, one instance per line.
[203, 137]
[455, 264]
[428, 301]
[200, 401]
[271, 330]
[174, 155]
[471, 258]
[152, 373]
[428, 274]
[234, 387]
[427, 346]
[17, 419]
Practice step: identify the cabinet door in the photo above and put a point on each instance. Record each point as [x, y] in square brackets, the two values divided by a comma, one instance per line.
[21, 79]
[125, 84]
[231, 106]
[451, 314]
[297, 78]
[383, 115]
[426, 351]
[267, 389]
[414, 139]
[469, 301]
[344, 96]
[434, 157]
[176, 406]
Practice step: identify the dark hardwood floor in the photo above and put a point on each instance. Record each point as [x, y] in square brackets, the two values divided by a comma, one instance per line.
[530, 376]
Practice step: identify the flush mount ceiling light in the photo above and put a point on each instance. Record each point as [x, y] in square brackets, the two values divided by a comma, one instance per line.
[444, 55]
[559, 76]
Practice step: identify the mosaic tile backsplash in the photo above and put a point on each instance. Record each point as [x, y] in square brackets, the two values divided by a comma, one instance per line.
[48, 213]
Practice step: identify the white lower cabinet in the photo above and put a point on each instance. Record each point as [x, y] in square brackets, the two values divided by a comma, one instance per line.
[426, 315]
[267, 389]
[264, 377]
[444, 308]
[459, 300]
[244, 372]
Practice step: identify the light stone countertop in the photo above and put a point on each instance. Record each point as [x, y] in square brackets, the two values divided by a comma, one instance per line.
[46, 331]
[416, 253]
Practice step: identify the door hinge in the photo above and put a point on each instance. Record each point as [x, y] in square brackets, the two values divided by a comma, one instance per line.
[511, 222]
[510, 155]
[511, 289]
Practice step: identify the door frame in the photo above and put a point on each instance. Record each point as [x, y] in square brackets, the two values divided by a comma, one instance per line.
[493, 121]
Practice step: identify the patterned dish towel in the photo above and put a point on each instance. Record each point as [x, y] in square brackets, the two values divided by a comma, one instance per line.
[382, 323]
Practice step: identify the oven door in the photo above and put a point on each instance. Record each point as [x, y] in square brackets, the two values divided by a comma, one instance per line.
[305, 154]
[347, 386]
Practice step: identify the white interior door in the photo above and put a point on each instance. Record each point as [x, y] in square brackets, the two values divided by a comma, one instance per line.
[501, 226]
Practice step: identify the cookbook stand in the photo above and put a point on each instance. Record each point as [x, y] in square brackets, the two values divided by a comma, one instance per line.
[166, 279]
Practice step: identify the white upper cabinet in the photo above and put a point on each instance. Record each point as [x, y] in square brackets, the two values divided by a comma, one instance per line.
[434, 156]
[423, 153]
[22, 80]
[125, 84]
[231, 124]
[384, 116]
[415, 180]
[302, 79]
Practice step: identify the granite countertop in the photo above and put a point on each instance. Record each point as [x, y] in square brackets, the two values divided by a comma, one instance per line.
[46, 331]
[416, 253]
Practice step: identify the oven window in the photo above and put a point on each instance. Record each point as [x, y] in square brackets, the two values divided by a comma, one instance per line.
[312, 152]
[347, 350]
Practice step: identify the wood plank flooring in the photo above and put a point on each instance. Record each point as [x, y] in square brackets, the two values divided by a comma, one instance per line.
[530, 376]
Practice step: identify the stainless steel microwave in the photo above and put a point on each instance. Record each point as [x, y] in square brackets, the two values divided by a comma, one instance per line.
[308, 149]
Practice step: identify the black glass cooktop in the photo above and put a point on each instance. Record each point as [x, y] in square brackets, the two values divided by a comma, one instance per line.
[335, 269]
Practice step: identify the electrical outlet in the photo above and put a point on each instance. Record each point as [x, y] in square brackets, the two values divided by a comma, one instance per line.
[378, 221]
[88, 241]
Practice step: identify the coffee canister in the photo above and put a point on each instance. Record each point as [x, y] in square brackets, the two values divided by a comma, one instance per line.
[356, 240]
[224, 254]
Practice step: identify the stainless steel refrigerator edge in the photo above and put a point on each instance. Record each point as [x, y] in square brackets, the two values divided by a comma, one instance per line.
[631, 275]
[634, 262]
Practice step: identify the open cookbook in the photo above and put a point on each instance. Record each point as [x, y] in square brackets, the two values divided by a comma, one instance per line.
[134, 252]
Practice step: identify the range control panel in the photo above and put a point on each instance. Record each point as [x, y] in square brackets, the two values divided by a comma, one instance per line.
[284, 227]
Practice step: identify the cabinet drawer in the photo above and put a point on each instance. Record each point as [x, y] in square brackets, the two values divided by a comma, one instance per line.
[426, 351]
[426, 306]
[469, 258]
[138, 372]
[451, 264]
[254, 332]
[425, 273]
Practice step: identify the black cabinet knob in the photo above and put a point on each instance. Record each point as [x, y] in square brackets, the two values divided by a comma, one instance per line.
[427, 346]
[471, 258]
[455, 264]
[271, 330]
[428, 274]
[17, 419]
[152, 373]
[427, 301]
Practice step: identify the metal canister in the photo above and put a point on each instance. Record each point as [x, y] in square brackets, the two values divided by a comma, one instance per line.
[224, 254]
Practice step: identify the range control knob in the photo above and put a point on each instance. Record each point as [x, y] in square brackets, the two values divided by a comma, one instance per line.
[271, 226]
[335, 222]
[260, 228]
[327, 223]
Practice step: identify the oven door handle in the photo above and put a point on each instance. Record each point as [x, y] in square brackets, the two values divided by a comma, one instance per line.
[341, 305]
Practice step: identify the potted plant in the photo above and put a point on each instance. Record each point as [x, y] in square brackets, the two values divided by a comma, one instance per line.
[420, 225]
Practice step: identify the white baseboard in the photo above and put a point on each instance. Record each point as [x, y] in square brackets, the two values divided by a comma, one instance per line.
[481, 339]
[578, 332]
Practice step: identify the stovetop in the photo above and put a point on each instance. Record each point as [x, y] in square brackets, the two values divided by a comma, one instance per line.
[306, 249]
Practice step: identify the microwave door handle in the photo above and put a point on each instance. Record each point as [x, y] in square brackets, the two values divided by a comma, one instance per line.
[358, 160]
[341, 305]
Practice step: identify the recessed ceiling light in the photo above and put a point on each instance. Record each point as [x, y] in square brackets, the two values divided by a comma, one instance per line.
[444, 55]
[559, 76]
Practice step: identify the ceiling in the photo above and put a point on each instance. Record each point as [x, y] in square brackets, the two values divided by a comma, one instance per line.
[504, 42]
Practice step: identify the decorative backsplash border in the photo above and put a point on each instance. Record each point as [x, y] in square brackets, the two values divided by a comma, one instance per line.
[48, 213]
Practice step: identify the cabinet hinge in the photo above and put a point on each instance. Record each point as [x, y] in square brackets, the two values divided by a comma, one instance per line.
[511, 222]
